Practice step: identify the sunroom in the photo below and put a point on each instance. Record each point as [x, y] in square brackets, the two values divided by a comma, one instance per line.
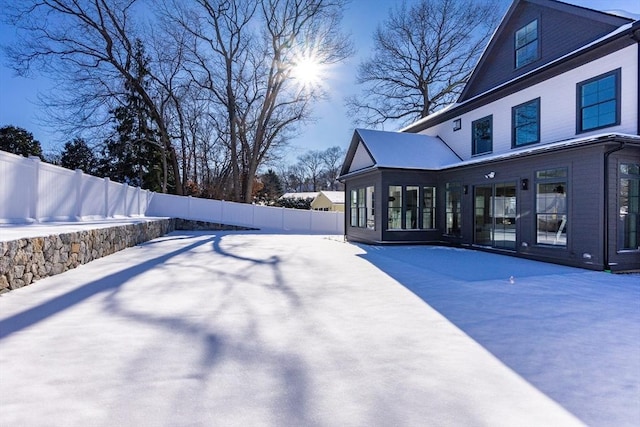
[390, 183]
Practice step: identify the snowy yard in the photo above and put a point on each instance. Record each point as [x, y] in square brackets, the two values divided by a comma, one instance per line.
[253, 329]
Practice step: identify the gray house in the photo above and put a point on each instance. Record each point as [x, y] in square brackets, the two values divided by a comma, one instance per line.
[538, 158]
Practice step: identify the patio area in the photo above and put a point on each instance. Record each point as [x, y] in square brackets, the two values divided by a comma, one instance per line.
[252, 328]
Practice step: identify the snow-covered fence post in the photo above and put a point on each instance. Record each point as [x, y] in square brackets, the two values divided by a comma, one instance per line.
[125, 190]
[106, 197]
[35, 177]
[77, 183]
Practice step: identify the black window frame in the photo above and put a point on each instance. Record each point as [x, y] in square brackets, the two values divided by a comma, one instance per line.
[514, 127]
[517, 48]
[617, 73]
[474, 140]
[358, 209]
[629, 223]
[558, 180]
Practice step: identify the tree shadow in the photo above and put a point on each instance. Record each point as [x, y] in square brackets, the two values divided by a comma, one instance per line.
[215, 344]
[33, 315]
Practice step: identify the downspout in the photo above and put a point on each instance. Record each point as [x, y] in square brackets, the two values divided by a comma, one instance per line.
[605, 239]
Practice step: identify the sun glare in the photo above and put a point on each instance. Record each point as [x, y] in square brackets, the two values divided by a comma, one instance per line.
[308, 71]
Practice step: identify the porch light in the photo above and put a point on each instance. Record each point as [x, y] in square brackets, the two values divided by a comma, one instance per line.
[490, 175]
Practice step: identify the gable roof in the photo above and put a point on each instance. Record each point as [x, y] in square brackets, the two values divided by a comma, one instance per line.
[625, 33]
[372, 149]
[579, 26]
[335, 197]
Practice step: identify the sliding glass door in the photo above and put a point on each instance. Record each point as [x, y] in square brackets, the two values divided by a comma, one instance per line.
[495, 215]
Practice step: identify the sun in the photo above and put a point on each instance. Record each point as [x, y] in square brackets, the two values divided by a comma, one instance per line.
[307, 70]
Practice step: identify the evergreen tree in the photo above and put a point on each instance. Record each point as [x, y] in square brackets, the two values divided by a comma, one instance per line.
[271, 187]
[18, 141]
[134, 156]
[78, 155]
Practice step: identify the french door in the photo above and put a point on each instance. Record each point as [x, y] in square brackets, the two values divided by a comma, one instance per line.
[495, 215]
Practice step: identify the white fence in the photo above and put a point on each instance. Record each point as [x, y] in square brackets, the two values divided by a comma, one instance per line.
[33, 191]
[257, 216]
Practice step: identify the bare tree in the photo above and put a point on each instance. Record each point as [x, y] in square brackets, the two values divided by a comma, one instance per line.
[423, 55]
[312, 164]
[244, 55]
[332, 160]
[88, 46]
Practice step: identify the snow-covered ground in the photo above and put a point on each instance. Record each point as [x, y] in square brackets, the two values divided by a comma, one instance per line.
[254, 329]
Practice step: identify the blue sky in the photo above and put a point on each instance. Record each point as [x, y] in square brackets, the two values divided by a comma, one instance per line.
[333, 127]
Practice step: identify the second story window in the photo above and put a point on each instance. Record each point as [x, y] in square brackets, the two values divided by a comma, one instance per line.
[599, 102]
[482, 135]
[527, 44]
[526, 123]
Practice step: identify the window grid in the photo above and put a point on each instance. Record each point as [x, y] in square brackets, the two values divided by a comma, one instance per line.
[599, 102]
[361, 208]
[526, 41]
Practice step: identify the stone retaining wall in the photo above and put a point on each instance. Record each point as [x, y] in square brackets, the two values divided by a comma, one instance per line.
[190, 224]
[25, 260]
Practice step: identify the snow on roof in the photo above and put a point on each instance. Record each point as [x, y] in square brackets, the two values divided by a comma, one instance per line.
[406, 150]
[334, 196]
[531, 149]
[302, 195]
[623, 14]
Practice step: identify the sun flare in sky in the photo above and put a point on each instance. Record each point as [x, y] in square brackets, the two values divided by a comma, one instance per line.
[308, 70]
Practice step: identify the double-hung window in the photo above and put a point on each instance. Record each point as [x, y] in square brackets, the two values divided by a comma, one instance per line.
[526, 123]
[599, 102]
[362, 208]
[526, 44]
[482, 135]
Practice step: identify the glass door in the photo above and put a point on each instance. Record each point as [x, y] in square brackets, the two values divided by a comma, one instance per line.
[495, 215]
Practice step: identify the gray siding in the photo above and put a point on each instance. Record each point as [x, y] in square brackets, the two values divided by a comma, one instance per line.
[559, 33]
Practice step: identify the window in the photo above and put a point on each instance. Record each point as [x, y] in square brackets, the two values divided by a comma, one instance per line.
[411, 210]
[482, 135]
[371, 219]
[551, 207]
[395, 207]
[526, 123]
[362, 208]
[453, 196]
[428, 207]
[527, 44]
[354, 208]
[629, 205]
[599, 102]
[418, 210]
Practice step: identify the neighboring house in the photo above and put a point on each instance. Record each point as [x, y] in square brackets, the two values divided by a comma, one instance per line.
[320, 200]
[304, 195]
[539, 157]
[329, 201]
